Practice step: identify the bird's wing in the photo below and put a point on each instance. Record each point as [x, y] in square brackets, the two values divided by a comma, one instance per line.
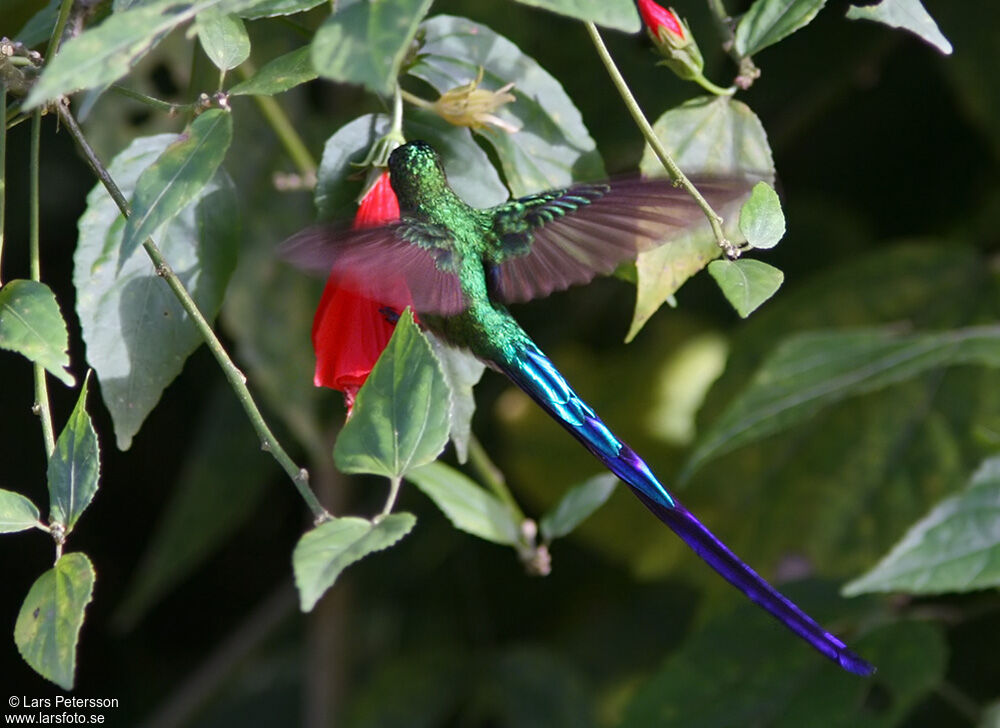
[552, 240]
[405, 263]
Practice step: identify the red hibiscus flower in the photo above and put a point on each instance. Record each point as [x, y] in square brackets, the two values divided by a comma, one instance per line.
[659, 20]
[350, 331]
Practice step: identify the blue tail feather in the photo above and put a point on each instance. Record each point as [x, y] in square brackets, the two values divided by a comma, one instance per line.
[538, 377]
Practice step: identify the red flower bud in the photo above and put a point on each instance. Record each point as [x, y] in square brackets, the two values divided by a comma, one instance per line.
[656, 18]
[350, 331]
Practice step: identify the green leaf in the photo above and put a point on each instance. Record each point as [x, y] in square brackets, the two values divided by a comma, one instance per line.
[365, 43]
[48, 625]
[223, 37]
[177, 177]
[75, 466]
[103, 54]
[325, 551]
[400, 417]
[576, 506]
[137, 334]
[553, 147]
[714, 136]
[990, 716]
[274, 8]
[810, 371]
[746, 283]
[740, 670]
[617, 14]
[468, 167]
[768, 21]
[220, 483]
[277, 76]
[761, 220]
[906, 14]
[31, 324]
[17, 513]
[469, 507]
[954, 548]
[461, 372]
[39, 28]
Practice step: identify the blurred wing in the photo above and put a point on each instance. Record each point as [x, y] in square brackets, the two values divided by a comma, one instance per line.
[405, 263]
[556, 239]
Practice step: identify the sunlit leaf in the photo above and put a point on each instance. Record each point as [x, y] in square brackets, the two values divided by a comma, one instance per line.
[906, 14]
[325, 551]
[17, 513]
[177, 177]
[714, 136]
[461, 371]
[48, 625]
[577, 505]
[75, 466]
[761, 220]
[104, 53]
[31, 324]
[223, 37]
[274, 8]
[746, 283]
[768, 21]
[617, 14]
[954, 548]
[469, 507]
[553, 147]
[279, 75]
[137, 334]
[364, 43]
[400, 417]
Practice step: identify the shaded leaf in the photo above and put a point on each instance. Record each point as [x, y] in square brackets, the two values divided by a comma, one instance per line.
[218, 487]
[617, 14]
[48, 625]
[576, 506]
[277, 76]
[137, 334]
[714, 136]
[954, 548]
[325, 551]
[735, 671]
[223, 38]
[746, 283]
[177, 177]
[400, 417]
[553, 147]
[467, 166]
[39, 28]
[813, 370]
[906, 14]
[75, 466]
[469, 507]
[31, 324]
[768, 21]
[102, 54]
[17, 513]
[364, 43]
[461, 372]
[761, 220]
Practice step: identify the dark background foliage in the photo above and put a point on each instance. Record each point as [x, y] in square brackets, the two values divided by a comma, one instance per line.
[878, 141]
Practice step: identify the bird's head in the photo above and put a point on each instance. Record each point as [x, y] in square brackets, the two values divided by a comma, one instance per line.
[416, 174]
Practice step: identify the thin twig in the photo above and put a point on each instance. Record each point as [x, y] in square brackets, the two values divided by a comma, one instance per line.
[299, 476]
[714, 219]
[748, 71]
[42, 407]
[275, 116]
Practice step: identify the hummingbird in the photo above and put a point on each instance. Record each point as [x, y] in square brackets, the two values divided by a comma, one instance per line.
[459, 267]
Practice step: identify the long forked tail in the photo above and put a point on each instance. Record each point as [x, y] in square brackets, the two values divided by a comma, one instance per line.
[535, 374]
